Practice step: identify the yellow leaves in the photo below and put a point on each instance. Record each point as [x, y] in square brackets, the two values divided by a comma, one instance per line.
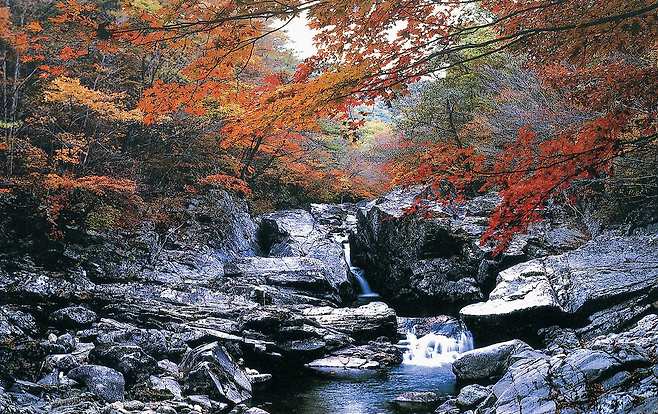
[107, 105]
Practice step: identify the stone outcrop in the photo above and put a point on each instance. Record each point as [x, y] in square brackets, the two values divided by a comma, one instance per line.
[365, 322]
[438, 262]
[600, 288]
[488, 363]
[139, 320]
[616, 373]
[317, 234]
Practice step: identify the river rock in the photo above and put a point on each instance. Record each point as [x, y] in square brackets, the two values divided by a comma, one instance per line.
[103, 382]
[570, 286]
[210, 370]
[487, 363]
[417, 401]
[365, 322]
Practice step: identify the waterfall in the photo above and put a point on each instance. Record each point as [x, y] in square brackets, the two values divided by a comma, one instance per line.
[435, 349]
[359, 274]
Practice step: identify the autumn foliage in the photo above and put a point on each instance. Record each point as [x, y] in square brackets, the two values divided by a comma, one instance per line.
[135, 101]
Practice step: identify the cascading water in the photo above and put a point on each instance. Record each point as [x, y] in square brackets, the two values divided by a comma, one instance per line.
[359, 275]
[435, 349]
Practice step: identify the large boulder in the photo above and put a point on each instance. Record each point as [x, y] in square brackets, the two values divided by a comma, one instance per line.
[210, 370]
[372, 356]
[435, 260]
[488, 363]
[611, 374]
[366, 322]
[317, 234]
[302, 275]
[103, 382]
[584, 283]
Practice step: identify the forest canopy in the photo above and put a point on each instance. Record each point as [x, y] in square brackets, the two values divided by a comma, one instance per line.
[115, 110]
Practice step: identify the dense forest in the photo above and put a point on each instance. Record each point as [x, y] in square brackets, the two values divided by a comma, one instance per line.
[113, 111]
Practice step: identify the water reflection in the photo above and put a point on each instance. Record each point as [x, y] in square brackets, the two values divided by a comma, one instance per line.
[355, 395]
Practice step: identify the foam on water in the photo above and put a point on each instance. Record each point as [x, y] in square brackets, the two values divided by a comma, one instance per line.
[435, 349]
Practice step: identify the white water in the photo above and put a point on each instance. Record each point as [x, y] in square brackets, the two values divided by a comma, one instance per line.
[434, 349]
[359, 274]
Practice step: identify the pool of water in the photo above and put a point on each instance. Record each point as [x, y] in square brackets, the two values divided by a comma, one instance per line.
[353, 394]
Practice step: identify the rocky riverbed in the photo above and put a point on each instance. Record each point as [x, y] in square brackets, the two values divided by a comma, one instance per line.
[213, 315]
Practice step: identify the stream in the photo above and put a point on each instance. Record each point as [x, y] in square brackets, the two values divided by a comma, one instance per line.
[426, 366]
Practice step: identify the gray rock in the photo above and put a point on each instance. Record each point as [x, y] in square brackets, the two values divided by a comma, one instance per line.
[417, 401]
[448, 407]
[314, 235]
[73, 317]
[130, 360]
[159, 388]
[210, 370]
[365, 322]
[67, 341]
[472, 395]
[103, 382]
[375, 355]
[542, 292]
[487, 363]
[304, 274]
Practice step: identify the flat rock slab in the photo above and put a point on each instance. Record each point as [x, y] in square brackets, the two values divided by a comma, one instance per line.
[298, 272]
[541, 292]
[365, 322]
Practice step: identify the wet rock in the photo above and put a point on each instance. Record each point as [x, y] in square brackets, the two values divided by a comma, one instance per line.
[73, 317]
[487, 363]
[210, 370]
[365, 322]
[544, 292]
[472, 395]
[374, 355]
[417, 401]
[103, 382]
